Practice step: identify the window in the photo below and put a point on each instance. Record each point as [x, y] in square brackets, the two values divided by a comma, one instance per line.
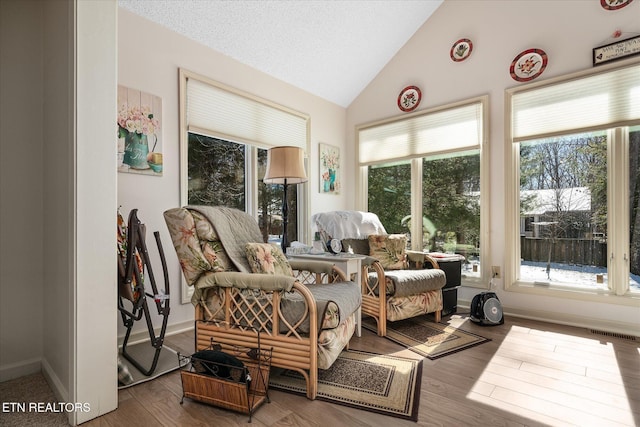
[225, 135]
[217, 176]
[429, 165]
[573, 220]
[453, 226]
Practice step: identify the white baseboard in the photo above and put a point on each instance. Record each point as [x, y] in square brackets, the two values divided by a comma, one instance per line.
[60, 391]
[20, 369]
[142, 336]
[586, 322]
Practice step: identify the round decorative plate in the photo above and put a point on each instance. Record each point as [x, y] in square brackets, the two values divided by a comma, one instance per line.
[528, 65]
[614, 4]
[461, 50]
[409, 98]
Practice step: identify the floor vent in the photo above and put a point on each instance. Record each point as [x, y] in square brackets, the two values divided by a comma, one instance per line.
[613, 334]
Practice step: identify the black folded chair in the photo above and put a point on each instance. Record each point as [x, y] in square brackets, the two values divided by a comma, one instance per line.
[134, 272]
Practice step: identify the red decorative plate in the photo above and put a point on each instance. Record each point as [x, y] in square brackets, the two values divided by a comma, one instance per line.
[461, 50]
[528, 65]
[614, 4]
[409, 98]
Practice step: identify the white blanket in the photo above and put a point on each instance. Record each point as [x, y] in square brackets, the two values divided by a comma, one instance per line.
[347, 224]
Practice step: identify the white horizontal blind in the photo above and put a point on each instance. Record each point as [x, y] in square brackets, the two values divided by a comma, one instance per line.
[600, 101]
[225, 113]
[444, 130]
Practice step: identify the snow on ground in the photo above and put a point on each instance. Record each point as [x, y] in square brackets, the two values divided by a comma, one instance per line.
[570, 275]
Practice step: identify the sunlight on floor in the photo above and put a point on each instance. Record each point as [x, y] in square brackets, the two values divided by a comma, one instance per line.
[555, 379]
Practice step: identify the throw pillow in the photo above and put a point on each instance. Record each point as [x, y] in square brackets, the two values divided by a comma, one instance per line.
[389, 249]
[267, 258]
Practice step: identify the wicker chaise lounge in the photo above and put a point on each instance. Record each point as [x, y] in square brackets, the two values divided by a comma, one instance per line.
[305, 311]
[412, 280]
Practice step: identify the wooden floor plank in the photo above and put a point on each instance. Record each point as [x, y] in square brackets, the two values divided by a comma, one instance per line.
[531, 374]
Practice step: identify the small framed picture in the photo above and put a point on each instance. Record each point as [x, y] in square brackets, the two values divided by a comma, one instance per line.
[329, 169]
[139, 132]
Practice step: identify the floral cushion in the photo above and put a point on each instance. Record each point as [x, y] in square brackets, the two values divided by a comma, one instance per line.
[210, 244]
[399, 308]
[215, 254]
[267, 258]
[185, 240]
[389, 249]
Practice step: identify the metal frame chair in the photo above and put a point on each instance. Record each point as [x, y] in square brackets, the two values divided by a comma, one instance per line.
[133, 262]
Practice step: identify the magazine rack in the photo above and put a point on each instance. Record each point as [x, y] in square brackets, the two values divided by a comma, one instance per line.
[241, 389]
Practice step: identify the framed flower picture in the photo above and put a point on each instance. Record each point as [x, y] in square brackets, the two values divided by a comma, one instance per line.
[139, 132]
[329, 169]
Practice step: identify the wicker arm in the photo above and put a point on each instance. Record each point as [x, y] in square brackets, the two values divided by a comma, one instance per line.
[417, 260]
[310, 272]
[374, 302]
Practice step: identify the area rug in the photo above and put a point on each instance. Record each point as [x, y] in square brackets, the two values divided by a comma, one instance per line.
[378, 383]
[428, 339]
[143, 352]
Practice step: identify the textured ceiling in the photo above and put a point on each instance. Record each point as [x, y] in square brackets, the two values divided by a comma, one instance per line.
[330, 48]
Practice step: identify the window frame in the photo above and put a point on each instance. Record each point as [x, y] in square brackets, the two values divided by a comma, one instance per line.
[251, 147]
[416, 161]
[617, 201]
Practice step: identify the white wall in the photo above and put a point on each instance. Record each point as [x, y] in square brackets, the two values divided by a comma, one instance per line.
[58, 198]
[149, 57]
[57, 215]
[21, 185]
[567, 31]
[94, 339]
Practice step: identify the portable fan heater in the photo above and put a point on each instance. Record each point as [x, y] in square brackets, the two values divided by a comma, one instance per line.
[486, 309]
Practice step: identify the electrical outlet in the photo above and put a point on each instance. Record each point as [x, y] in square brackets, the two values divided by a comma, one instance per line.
[495, 272]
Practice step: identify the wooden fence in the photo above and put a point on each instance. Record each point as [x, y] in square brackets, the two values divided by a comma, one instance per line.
[565, 251]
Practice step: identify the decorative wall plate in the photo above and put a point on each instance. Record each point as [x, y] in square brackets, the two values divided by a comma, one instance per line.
[614, 4]
[461, 50]
[528, 65]
[409, 98]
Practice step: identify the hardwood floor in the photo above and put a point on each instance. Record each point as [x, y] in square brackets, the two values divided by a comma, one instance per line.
[530, 374]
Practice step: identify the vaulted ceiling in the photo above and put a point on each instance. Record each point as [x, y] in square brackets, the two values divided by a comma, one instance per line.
[330, 48]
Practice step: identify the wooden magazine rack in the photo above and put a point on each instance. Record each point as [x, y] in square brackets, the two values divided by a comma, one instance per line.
[242, 389]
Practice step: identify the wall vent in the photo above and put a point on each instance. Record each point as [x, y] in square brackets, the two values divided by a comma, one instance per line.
[613, 334]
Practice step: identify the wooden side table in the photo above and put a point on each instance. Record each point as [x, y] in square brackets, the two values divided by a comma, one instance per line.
[350, 264]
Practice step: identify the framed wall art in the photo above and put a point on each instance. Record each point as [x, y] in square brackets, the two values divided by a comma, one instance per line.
[618, 50]
[139, 132]
[329, 169]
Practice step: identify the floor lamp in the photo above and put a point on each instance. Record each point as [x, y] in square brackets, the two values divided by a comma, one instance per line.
[285, 165]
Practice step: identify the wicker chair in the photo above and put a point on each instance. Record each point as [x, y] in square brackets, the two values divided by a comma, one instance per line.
[412, 280]
[304, 311]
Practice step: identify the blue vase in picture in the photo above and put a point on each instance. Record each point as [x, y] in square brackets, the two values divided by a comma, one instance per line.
[136, 149]
[332, 179]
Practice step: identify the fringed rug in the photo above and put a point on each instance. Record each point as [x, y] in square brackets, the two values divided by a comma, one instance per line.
[428, 339]
[379, 383]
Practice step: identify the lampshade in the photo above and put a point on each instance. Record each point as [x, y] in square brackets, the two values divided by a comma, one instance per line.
[285, 163]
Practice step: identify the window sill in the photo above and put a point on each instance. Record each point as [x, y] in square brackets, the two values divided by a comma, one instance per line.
[598, 296]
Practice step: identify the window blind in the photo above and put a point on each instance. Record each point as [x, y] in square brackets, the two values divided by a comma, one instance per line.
[225, 113]
[600, 101]
[443, 130]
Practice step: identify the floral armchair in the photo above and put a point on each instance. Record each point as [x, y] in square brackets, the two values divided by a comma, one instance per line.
[247, 293]
[412, 280]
